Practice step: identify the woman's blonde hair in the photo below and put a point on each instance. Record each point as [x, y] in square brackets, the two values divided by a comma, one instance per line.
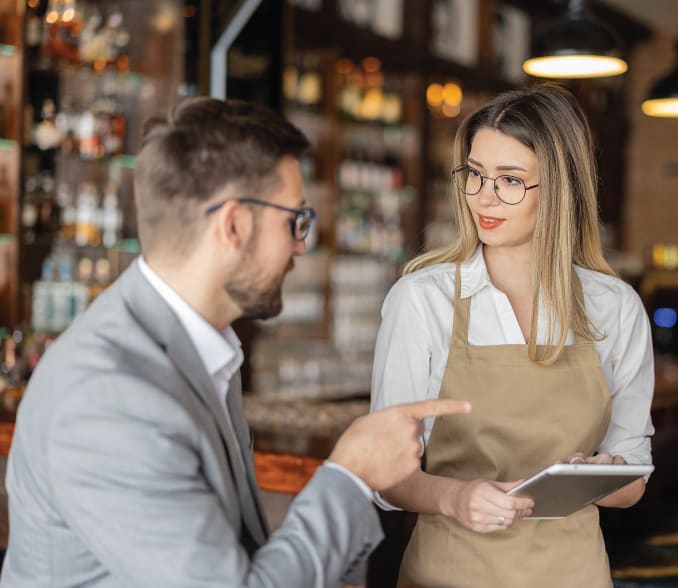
[547, 119]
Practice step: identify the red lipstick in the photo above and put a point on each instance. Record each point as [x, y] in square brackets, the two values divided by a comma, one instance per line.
[489, 222]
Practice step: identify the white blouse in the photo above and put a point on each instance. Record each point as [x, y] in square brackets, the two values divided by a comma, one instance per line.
[414, 340]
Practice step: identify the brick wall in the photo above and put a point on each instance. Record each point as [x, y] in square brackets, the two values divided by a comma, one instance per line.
[650, 212]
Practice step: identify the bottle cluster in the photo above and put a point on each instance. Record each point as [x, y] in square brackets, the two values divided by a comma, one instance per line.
[69, 282]
[81, 214]
[67, 30]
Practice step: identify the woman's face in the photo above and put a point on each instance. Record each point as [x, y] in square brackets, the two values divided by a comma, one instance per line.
[493, 154]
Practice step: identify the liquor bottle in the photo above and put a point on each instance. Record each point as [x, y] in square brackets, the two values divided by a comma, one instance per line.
[89, 45]
[29, 209]
[34, 29]
[46, 135]
[86, 231]
[88, 138]
[110, 125]
[117, 38]
[66, 205]
[110, 216]
[48, 212]
[102, 277]
[12, 382]
[70, 27]
[67, 122]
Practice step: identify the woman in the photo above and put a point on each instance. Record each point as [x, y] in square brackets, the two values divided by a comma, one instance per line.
[522, 316]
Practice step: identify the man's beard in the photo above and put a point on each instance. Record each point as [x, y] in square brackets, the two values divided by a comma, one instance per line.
[258, 296]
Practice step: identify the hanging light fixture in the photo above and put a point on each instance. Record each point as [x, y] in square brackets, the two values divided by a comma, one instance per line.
[663, 100]
[577, 46]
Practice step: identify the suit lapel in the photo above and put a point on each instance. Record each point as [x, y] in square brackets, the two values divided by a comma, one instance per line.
[155, 316]
[242, 431]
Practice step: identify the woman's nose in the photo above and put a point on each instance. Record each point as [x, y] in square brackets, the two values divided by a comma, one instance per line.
[487, 195]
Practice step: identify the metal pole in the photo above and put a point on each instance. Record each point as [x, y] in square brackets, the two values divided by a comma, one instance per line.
[218, 61]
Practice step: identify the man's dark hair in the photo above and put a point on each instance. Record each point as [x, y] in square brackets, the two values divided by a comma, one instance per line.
[202, 146]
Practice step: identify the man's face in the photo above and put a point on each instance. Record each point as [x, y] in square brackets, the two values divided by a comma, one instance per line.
[256, 285]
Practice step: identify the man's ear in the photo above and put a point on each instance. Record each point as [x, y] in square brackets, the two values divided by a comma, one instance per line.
[232, 225]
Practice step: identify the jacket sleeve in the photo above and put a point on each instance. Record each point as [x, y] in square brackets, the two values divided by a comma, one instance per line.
[126, 475]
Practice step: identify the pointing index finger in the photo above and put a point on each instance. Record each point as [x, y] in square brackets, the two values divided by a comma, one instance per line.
[434, 408]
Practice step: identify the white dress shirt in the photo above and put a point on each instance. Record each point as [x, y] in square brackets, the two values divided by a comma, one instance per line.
[414, 340]
[220, 352]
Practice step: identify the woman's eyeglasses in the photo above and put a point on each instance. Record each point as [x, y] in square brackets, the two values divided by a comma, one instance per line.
[509, 189]
[300, 224]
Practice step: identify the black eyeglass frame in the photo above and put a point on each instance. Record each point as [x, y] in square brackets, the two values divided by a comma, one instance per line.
[303, 212]
[483, 177]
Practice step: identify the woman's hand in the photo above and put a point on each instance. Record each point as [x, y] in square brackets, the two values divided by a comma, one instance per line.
[599, 458]
[622, 498]
[577, 457]
[605, 458]
[484, 506]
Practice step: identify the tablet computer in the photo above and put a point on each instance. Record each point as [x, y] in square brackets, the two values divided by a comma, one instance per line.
[561, 489]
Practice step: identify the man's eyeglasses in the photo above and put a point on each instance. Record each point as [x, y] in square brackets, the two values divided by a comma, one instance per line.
[509, 189]
[300, 224]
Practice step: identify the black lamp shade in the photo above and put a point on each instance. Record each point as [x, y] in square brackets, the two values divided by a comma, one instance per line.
[663, 98]
[577, 46]
[666, 87]
[577, 36]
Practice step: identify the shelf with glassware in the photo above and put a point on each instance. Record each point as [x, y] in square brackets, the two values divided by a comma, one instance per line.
[366, 120]
[94, 72]
[76, 82]
[362, 177]
[77, 191]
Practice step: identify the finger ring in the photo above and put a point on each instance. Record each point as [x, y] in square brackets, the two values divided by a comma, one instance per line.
[501, 521]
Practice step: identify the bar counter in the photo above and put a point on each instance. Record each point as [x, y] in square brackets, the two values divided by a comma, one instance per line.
[292, 438]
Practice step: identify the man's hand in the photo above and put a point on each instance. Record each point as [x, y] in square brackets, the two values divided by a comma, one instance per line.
[384, 447]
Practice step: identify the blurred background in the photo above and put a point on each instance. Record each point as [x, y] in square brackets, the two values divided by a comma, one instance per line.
[379, 86]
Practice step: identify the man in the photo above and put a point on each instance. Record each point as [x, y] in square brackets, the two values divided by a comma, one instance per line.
[131, 462]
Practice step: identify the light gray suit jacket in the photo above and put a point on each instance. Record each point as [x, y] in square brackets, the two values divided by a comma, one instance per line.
[124, 470]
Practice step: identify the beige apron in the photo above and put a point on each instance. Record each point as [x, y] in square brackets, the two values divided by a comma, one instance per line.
[525, 417]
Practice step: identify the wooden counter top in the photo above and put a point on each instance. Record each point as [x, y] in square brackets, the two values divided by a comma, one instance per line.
[292, 439]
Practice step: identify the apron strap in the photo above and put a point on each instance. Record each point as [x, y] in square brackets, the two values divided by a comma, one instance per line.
[462, 312]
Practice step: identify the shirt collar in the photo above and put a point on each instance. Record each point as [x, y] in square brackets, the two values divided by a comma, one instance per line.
[474, 275]
[217, 350]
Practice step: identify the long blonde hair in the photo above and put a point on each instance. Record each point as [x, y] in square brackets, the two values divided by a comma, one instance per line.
[547, 119]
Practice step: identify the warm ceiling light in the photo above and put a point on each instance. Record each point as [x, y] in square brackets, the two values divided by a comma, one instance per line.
[452, 93]
[371, 64]
[663, 100]
[434, 94]
[344, 66]
[577, 46]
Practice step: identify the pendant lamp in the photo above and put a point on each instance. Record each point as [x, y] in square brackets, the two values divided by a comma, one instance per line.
[577, 46]
[663, 99]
